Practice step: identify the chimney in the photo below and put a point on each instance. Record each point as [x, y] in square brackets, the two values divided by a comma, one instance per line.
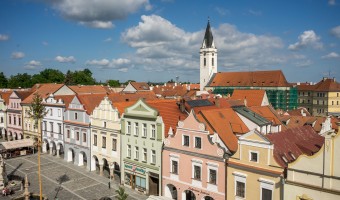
[182, 105]
[245, 101]
[334, 79]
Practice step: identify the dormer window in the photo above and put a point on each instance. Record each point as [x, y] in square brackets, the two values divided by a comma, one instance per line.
[253, 156]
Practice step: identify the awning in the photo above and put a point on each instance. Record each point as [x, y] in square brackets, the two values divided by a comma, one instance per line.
[15, 144]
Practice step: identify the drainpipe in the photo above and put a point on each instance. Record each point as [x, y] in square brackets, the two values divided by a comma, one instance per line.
[323, 163]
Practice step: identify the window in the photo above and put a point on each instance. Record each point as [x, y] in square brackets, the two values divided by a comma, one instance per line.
[332, 102]
[198, 142]
[145, 154]
[205, 62]
[212, 62]
[51, 112]
[104, 124]
[10, 119]
[144, 130]
[45, 126]
[84, 137]
[140, 182]
[68, 133]
[128, 127]
[197, 172]
[128, 151]
[136, 153]
[51, 125]
[15, 120]
[185, 140]
[153, 131]
[174, 167]
[253, 156]
[59, 128]
[136, 128]
[103, 142]
[153, 156]
[2, 119]
[266, 194]
[114, 144]
[95, 140]
[212, 176]
[240, 189]
[75, 115]
[59, 113]
[77, 135]
[19, 121]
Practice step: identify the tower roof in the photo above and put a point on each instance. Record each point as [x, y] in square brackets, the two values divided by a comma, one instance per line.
[208, 37]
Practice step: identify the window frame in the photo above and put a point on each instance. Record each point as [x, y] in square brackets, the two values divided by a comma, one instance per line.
[251, 157]
[195, 144]
[144, 130]
[183, 140]
[136, 129]
[268, 185]
[103, 142]
[153, 131]
[128, 128]
[242, 178]
[114, 144]
[153, 158]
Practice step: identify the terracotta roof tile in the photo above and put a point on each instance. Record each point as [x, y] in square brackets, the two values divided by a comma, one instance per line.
[5, 96]
[119, 97]
[90, 101]
[299, 111]
[291, 143]
[90, 89]
[44, 90]
[253, 97]
[256, 79]
[268, 113]
[226, 123]
[67, 99]
[140, 85]
[23, 94]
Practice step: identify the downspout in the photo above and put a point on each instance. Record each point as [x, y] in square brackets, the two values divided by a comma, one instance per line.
[323, 163]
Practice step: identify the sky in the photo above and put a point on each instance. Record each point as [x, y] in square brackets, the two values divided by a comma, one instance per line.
[158, 40]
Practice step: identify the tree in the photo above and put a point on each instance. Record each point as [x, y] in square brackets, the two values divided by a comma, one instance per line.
[48, 76]
[37, 112]
[69, 78]
[20, 80]
[3, 80]
[121, 195]
[113, 83]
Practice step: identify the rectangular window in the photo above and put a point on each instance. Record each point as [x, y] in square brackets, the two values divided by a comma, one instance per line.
[51, 112]
[59, 113]
[2, 119]
[253, 156]
[68, 133]
[104, 124]
[136, 129]
[75, 115]
[128, 127]
[59, 128]
[205, 62]
[212, 176]
[51, 125]
[136, 153]
[186, 140]
[15, 120]
[128, 151]
[153, 156]
[174, 167]
[145, 154]
[114, 144]
[95, 140]
[144, 130]
[240, 189]
[77, 135]
[84, 137]
[266, 194]
[103, 142]
[45, 126]
[197, 172]
[153, 131]
[212, 62]
[10, 119]
[19, 121]
[140, 182]
[198, 142]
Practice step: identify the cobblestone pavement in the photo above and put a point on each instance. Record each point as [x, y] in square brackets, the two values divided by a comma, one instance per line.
[62, 180]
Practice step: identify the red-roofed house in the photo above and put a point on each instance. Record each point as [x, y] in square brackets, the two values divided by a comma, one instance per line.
[4, 99]
[133, 87]
[144, 126]
[251, 97]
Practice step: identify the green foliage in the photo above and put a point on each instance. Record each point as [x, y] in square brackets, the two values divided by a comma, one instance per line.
[128, 81]
[37, 109]
[113, 83]
[121, 195]
[80, 77]
[20, 80]
[48, 76]
[3, 80]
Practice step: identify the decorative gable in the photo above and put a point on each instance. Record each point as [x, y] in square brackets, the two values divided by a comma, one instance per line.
[191, 122]
[76, 104]
[254, 137]
[130, 88]
[141, 109]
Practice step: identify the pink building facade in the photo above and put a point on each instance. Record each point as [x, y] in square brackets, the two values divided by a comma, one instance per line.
[193, 165]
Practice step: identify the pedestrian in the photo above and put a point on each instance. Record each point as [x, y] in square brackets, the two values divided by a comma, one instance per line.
[109, 185]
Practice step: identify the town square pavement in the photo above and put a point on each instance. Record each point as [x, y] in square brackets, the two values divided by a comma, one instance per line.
[63, 180]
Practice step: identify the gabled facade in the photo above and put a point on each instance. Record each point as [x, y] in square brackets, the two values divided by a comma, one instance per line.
[4, 98]
[15, 116]
[252, 171]
[208, 58]
[53, 124]
[105, 138]
[251, 97]
[316, 176]
[134, 87]
[193, 162]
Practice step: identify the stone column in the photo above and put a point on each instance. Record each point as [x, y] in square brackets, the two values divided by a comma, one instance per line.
[44, 149]
[112, 173]
[58, 151]
[101, 168]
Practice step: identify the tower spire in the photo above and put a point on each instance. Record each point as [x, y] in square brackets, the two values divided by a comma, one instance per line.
[208, 37]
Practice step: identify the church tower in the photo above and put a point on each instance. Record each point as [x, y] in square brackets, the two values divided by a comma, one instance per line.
[208, 58]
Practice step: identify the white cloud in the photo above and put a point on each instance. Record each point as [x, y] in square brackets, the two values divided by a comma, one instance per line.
[109, 39]
[331, 55]
[304, 63]
[113, 64]
[331, 2]
[63, 59]
[32, 65]
[3, 37]
[307, 38]
[98, 14]
[17, 55]
[157, 50]
[336, 31]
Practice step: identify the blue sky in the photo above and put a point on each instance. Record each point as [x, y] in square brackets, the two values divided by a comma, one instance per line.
[148, 40]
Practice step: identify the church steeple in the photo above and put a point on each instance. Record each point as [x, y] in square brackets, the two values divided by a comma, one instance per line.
[208, 58]
[208, 37]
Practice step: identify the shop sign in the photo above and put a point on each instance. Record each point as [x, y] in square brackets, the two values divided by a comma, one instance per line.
[134, 169]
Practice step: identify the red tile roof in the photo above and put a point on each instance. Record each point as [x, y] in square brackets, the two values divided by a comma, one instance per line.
[170, 113]
[269, 113]
[90, 101]
[119, 97]
[5, 96]
[325, 85]
[253, 97]
[44, 90]
[23, 94]
[255, 79]
[299, 111]
[140, 86]
[90, 89]
[291, 143]
[296, 121]
[67, 99]
[226, 123]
